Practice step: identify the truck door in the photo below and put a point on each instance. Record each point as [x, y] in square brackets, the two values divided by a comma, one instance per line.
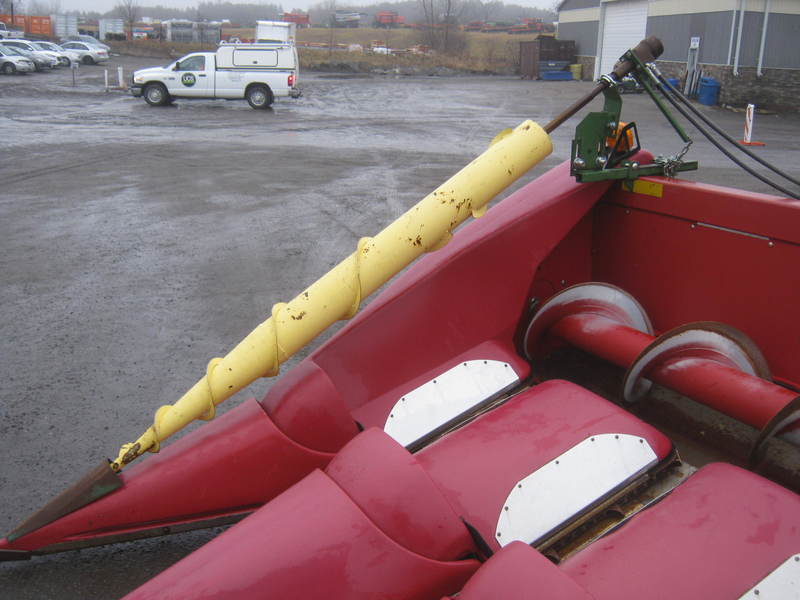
[193, 77]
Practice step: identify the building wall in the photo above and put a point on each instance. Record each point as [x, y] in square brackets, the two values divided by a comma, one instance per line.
[677, 21]
[776, 89]
[782, 48]
[713, 29]
[583, 32]
[580, 23]
[573, 4]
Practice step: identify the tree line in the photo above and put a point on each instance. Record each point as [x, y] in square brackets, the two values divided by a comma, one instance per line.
[246, 14]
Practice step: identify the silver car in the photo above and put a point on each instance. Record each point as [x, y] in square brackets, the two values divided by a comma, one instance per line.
[86, 39]
[89, 54]
[11, 62]
[40, 62]
[63, 57]
[41, 59]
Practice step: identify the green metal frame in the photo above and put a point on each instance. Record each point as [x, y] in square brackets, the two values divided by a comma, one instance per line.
[590, 151]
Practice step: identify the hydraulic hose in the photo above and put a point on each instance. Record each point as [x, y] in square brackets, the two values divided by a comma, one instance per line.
[721, 132]
[722, 149]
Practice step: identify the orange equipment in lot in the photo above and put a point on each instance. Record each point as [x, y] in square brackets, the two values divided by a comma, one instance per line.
[388, 18]
[32, 25]
[299, 19]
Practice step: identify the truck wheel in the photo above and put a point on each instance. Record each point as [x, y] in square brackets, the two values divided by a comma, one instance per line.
[8, 68]
[155, 94]
[258, 96]
[87, 60]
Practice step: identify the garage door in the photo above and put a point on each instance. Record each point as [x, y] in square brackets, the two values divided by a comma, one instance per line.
[624, 26]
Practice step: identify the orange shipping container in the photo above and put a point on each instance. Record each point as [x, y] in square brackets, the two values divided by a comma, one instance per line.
[39, 26]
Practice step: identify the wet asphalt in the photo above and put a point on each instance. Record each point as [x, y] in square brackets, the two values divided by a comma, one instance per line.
[137, 242]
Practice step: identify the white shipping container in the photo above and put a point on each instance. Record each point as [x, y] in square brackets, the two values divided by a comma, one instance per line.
[64, 25]
[107, 26]
[275, 31]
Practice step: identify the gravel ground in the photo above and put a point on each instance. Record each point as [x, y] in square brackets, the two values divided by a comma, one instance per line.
[139, 242]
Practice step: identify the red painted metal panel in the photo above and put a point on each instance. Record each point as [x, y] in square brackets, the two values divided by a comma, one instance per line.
[570, 262]
[680, 273]
[477, 466]
[393, 490]
[308, 408]
[761, 214]
[714, 536]
[519, 572]
[310, 542]
[471, 291]
[230, 466]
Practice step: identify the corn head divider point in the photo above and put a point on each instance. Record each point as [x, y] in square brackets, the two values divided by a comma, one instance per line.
[337, 295]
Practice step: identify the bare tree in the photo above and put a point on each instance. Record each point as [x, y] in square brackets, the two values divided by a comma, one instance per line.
[128, 11]
[441, 21]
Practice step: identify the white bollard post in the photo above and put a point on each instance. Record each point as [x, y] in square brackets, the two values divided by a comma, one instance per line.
[748, 123]
[748, 127]
[121, 78]
[106, 79]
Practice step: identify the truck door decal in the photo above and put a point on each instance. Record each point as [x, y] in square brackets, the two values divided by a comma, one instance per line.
[188, 79]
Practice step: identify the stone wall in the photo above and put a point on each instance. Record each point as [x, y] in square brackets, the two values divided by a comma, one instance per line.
[776, 89]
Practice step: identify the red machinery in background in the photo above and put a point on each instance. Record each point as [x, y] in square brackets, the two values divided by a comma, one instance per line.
[300, 19]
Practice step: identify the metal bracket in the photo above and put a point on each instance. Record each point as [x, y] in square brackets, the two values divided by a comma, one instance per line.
[597, 149]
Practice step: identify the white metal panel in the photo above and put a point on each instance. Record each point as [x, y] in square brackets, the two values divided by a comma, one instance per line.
[783, 583]
[624, 26]
[446, 397]
[569, 484]
[255, 57]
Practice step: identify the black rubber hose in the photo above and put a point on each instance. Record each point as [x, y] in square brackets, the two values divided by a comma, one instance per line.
[721, 132]
[722, 149]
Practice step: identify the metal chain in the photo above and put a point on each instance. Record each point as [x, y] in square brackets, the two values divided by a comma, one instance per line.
[671, 164]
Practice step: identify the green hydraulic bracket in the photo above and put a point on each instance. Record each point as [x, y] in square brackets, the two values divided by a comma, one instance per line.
[601, 149]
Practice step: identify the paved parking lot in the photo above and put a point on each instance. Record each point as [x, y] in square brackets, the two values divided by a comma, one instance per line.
[138, 242]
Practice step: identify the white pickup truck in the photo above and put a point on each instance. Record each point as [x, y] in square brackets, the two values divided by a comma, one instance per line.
[259, 73]
[6, 33]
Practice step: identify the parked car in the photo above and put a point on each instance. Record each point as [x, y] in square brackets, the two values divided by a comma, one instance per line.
[64, 58]
[11, 63]
[32, 46]
[40, 60]
[86, 39]
[89, 54]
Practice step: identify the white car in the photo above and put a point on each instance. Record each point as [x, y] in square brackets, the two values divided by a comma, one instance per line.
[11, 63]
[64, 58]
[40, 58]
[88, 54]
[86, 39]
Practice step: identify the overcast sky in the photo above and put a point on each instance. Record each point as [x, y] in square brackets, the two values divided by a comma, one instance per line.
[106, 5]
